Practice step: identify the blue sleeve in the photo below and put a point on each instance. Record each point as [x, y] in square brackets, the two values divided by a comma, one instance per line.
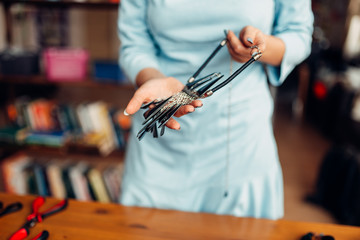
[137, 49]
[294, 25]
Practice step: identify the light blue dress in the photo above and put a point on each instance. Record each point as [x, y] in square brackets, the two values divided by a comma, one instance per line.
[228, 144]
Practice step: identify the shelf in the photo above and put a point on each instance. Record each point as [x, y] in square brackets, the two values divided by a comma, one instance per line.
[64, 152]
[41, 80]
[66, 3]
[42, 151]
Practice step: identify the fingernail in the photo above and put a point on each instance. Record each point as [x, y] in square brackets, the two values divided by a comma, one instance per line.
[250, 40]
[126, 113]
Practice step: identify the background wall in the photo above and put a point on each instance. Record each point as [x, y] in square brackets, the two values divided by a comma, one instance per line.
[2, 28]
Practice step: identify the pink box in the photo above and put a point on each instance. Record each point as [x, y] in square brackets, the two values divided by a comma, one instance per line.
[65, 64]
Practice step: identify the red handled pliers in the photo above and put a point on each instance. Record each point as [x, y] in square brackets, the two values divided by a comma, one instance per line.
[37, 216]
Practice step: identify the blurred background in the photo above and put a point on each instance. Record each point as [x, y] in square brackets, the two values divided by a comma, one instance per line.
[62, 96]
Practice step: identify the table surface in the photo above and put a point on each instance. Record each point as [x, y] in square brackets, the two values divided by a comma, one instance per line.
[92, 220]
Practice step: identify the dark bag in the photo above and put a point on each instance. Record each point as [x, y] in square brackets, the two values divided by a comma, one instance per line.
[338, 185]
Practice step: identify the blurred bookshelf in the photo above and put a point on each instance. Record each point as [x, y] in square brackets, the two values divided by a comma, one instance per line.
[67, 3]
[86, 152]
[81, 126]
[62, 136]
[68, 176]
[64, 151]
[42, 80]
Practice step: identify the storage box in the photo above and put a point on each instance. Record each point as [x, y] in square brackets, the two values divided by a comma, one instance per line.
[19, 63]
[65, 64]
[108, 71]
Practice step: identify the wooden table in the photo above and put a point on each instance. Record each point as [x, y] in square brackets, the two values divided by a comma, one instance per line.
[91, 220]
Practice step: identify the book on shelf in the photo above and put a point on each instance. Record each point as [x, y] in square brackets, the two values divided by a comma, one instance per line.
[102, 122]
[17, 114]
[83, 117]
[30, 180]
[122, 125]
[11, 134]
[67, 182]
[51, 138]
[41, 180]
[54, 176]
[97, 126]
[13, 172]
[62, 178]
[112, 178]
[79, 181]
[93, 125]
[41, 113]
[96, 180]
[68, 120]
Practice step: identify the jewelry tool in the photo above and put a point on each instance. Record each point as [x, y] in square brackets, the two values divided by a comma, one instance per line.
[201, 88]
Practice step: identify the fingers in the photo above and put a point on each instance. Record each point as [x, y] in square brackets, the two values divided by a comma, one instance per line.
[188, 108]
[261, 41]
[184, 110]
[173, 124]
[235, 46]
[135, 103]
[248, 36]
[197, 103]
[237, 49]
[251, 36]
[240, 47]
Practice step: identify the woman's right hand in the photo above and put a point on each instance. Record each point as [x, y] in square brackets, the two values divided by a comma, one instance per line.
[271, 47]
[160, 88]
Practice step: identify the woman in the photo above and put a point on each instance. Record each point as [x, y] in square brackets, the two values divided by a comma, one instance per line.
[224, 159]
